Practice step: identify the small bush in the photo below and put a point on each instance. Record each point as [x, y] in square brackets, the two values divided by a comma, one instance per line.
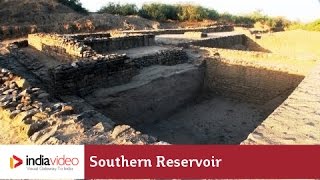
[74, 5]
[124, 10]
[212, 14]
[313, 26]
[243, 20]
[157, 11]
[191, 12]
[227, 18]
[182, 12]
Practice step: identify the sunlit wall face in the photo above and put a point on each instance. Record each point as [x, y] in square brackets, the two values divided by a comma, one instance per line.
[303, 10]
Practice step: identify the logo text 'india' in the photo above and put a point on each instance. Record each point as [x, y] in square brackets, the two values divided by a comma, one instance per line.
[15, 162]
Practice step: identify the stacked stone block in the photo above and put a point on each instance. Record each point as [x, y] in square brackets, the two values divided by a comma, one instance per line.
[86, 72]
[30, 116]
[54, 44]
[221, 42]
[83, 76]
[104, 45]
[89, 36]
[168, 57]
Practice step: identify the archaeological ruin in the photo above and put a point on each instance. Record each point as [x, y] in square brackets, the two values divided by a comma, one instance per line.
[179, 86]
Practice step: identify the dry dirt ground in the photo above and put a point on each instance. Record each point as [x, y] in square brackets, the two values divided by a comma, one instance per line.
[214, 120]
[299, 44]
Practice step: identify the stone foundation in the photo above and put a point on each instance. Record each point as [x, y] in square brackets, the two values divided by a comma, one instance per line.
[83, 76]
[89, 36]
[54, 44]
[30, 116]
[221, 42]
[105, 45]
[169, 57]
[85, 45]
[228, 40]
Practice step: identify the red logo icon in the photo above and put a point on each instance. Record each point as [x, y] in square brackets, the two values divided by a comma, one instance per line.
[15, 162]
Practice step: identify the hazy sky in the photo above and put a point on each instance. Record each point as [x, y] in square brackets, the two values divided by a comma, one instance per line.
[304, 10]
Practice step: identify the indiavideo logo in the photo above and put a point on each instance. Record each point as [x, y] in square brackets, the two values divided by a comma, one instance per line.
[15, 161]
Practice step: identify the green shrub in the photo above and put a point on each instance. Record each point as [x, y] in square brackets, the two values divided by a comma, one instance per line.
[182, 12]
[243, 20]
[277, 23]
[124, 10]
[190, 12]
[157, 11]
[313, 26]
[257, 16]
[212, 14]
[75, 5]
[227, 18]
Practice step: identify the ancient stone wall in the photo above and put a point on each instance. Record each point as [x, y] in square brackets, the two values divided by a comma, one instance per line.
[221, 42]
[28, 115]
[169, 57]
[83, 76]
[104, 45]
[89, 35]
[249, 81]
[234, 41]
[54, 44]
[222, 28]
[105, 71]
[84, 45]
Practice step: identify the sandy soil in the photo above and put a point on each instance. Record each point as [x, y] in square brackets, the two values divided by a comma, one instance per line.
[299, 44]
[212, 121]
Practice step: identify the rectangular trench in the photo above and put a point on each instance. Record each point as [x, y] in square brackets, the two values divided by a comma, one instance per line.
[215, 103]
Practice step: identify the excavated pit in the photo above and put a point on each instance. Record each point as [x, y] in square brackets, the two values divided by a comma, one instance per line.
[211, 103]
[175, 94]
